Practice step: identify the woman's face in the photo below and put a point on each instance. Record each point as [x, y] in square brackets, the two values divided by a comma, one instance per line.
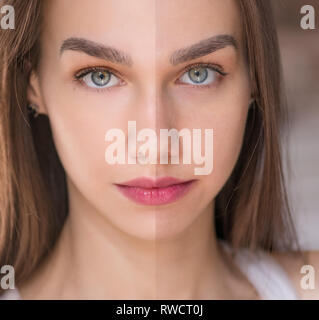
[87, 89]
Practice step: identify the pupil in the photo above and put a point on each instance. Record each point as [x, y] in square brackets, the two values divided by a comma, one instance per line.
[100, 78]
[198, 75]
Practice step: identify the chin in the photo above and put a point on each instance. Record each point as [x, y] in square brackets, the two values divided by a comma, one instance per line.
[156, 223]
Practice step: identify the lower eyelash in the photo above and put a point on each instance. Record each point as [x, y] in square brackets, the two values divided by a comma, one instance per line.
[78, 78]
[213, 67]
[99, 90]
[220, 76]
[201, 86]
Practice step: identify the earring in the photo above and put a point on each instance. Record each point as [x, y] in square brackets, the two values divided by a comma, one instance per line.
[33, 110]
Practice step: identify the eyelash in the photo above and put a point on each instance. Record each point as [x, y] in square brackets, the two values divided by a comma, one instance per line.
[78, 76]
[215, 67]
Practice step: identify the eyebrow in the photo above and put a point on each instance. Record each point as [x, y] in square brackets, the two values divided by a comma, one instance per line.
[95, 49]
[203, 48]
[199, 49]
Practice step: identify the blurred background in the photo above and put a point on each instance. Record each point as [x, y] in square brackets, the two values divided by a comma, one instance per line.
[300, 57]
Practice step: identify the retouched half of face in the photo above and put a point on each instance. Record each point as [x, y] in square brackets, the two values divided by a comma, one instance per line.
[116, 72]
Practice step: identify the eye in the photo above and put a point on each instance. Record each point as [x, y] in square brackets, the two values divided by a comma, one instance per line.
[98, 78]
[201, 75]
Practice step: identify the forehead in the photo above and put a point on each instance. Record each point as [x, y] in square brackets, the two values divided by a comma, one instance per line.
[183, 21]
[137, 26]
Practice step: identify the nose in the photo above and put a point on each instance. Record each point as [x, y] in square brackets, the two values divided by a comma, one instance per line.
[152, 129]
[167, 129]
[141, 137]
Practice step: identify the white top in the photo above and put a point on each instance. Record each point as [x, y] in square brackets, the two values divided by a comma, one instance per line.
[263, 271]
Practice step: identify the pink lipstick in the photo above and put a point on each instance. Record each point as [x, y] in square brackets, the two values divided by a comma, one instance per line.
[155, 192]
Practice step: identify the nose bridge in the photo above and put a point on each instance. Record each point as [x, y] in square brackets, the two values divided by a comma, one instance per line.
[164, 111]
[153, 107]
[154, 111]
[166, 128]
[145, 111]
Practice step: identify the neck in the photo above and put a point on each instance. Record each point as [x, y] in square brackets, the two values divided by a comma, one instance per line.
[93, 259]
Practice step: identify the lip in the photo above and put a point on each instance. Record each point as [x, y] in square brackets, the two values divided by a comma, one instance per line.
[158, 191]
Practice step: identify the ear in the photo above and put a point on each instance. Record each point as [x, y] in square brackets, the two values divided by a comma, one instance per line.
[34, 93]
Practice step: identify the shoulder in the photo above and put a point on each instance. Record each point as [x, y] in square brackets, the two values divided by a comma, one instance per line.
[301, 268]
[265, 274]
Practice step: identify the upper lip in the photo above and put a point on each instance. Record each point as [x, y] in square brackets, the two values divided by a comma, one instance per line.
[149, 183]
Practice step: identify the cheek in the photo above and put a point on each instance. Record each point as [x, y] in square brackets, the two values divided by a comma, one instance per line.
[228, 136]
[79, 122]
[80, 145]
[229, 127]
[225, 111]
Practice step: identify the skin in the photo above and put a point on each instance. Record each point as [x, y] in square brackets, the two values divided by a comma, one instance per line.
[119, 249]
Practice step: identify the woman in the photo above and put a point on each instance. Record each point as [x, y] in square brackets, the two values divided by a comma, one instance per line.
[77, 227]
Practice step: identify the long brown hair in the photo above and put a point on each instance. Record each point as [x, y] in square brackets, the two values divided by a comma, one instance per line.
[251, 209]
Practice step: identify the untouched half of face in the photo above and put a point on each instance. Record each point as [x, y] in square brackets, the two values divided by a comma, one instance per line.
[115, 76]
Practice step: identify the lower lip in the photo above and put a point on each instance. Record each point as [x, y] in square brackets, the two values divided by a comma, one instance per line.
[156, 196]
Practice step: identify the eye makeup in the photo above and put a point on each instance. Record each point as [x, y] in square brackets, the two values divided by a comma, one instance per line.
[81, 76]
[216, 68]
